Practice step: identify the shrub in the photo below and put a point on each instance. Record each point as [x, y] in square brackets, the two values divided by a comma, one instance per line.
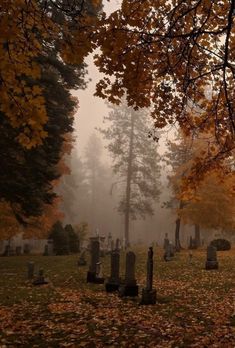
[221, 244]
[60, 239]
[74, 244]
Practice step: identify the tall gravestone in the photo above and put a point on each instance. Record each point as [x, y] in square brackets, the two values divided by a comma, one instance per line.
[129, 287]
[211, 260]
[95, 254]
[148, 293]
[113, 281]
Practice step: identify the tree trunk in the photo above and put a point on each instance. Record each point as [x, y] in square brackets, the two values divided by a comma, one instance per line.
[197, 236]
[128, 184]
[177, 230]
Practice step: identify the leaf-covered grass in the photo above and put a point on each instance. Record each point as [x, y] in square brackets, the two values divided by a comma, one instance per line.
[195, 307]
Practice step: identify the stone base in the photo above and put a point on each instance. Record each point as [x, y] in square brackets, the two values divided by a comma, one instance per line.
[91, 278]
[111, 287]
[128, 290]
[212, 265]
[149, 297]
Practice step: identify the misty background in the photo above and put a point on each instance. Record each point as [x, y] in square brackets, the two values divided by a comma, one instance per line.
[100, 211]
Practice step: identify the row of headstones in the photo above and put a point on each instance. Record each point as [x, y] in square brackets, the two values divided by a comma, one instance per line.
[211, 260]
[128, 286]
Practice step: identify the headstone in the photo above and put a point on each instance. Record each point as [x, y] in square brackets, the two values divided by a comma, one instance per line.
[82, 260]
[129, 287]
[211, 262]
[113, 281]
[40, 280]
[169, 252]
[112, 245]
[149, 294]
[30, 267]
[95, 254]
[99, 279]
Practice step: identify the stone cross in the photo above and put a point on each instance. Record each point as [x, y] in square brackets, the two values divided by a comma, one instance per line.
[149, 283]
[130, 268]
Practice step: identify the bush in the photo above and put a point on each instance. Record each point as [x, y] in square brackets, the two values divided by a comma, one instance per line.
[60, 239]
[74, 244]
[221, 244]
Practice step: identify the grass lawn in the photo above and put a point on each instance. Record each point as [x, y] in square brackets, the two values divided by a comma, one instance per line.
[195, 307]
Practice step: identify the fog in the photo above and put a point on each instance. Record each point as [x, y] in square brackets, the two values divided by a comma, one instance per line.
[92, 202]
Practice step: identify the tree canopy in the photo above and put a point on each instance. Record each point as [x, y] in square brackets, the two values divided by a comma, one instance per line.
[178, 57]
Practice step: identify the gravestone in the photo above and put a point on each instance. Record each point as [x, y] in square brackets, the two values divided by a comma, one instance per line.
[30, 268]
[169, 252]
[129, 287]
[99, 279]
[95, 254]
[211, 261]
[40, 279]
[112, 245]
[82, 260]
[149, 294]
[113, 281]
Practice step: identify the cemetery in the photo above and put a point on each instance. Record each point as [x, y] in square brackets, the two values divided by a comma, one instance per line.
[117, 174]
[128, 298]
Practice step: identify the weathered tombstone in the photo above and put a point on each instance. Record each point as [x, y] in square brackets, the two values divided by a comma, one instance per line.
[149, 294]
[82, 260]
[40, 280]
[211, 262]
[113, 281]
[129, 287]
[99, 279]
[95, 254]
[30, 267]
[167, 254]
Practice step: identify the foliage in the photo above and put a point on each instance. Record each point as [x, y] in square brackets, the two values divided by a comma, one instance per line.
[74, 242]
[221, 244]
[176, 56]
[60, 239]
[194, 307]
[28, 29]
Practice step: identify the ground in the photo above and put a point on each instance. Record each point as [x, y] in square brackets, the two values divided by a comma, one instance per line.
[195, 307]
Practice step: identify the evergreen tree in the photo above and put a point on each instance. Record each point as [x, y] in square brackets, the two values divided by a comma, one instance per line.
[136, 162]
